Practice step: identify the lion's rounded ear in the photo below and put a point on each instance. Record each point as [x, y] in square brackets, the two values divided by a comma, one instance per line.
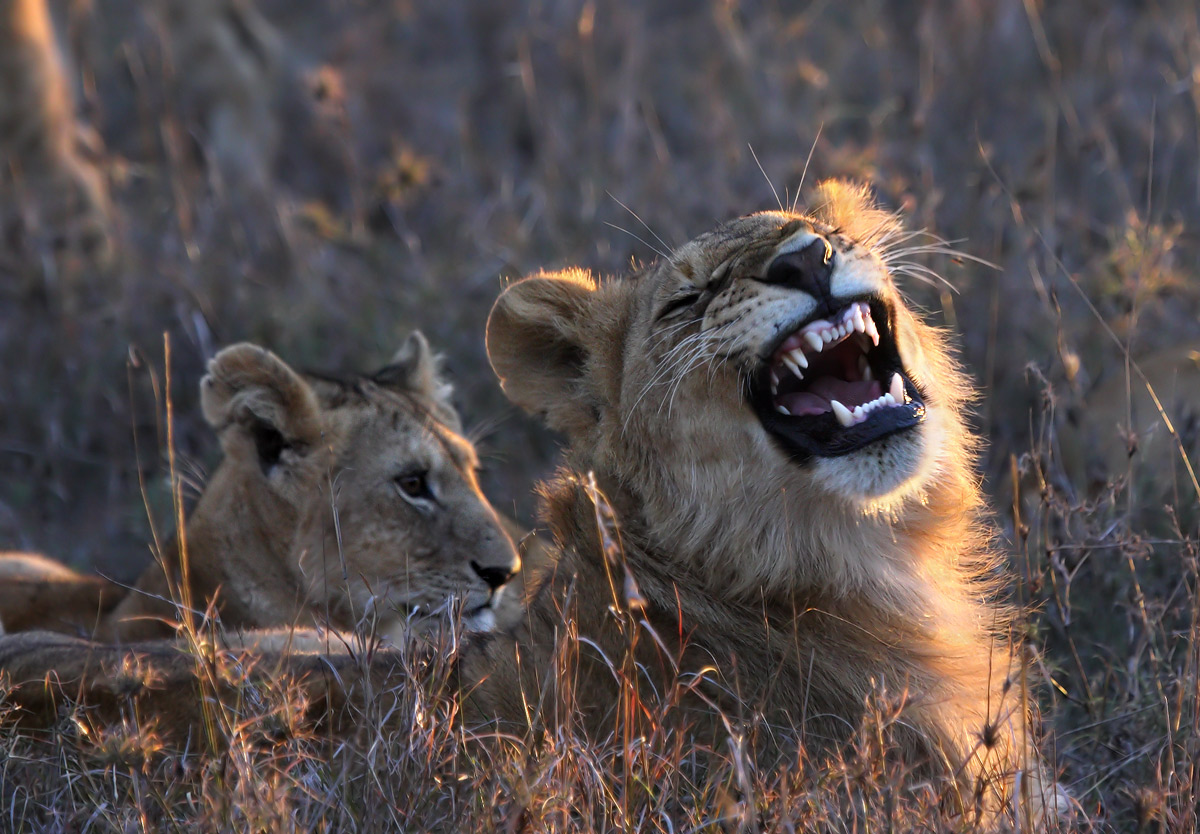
[254, 390]
[536, 344]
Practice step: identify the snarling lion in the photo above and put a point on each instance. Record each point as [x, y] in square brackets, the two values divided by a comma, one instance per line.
[781, 442]
[348, 503]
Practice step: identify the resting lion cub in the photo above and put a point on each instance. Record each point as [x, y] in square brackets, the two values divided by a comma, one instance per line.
[345, 503]
[781, 439]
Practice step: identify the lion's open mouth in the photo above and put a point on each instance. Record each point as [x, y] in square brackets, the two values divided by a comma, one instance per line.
[834, 385]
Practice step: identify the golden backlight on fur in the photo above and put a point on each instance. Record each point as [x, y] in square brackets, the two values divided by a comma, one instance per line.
[813, 550]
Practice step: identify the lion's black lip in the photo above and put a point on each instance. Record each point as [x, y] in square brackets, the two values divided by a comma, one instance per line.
[821, 435]
[805, 437]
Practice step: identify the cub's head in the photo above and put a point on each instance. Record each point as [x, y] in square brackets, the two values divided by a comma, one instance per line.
[364, 489]
[764, 390]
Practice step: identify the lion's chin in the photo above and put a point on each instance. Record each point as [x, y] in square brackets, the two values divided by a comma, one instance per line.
[880, 475]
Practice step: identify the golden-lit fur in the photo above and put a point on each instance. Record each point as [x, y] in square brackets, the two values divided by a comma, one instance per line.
[304, 520]
[806, 586]
[49, 189]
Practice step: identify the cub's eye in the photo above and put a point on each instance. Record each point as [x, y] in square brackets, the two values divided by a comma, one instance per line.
[415, 485]
[676, 304]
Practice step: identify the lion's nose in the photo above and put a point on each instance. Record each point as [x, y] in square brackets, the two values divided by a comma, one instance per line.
[494, 575]
[808, 269]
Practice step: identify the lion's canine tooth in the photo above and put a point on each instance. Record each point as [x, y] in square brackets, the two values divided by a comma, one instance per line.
[814, 339]
[792, 366]
[897, 389]
[872, 331]
[783, 410]
[797, 355]
[842, 413]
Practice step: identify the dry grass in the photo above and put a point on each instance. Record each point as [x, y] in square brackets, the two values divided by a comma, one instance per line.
[477, 142]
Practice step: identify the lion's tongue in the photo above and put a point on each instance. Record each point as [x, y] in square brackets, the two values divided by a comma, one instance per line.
[815, 398]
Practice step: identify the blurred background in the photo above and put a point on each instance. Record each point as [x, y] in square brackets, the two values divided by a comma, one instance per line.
[321, 176]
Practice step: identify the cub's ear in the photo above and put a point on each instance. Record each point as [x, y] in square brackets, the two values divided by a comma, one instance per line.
[253, 390]
[416, 369]
[536, 344]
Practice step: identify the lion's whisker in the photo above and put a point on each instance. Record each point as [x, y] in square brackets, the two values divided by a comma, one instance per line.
[645, 225]
[765, 177]
[804, 173]
[641, 240]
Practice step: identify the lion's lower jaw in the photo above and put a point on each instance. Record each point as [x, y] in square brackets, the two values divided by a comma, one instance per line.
[881, 476]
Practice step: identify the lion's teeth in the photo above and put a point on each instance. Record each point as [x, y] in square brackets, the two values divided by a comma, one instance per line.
[792, 366]
[783, 410]
[896, 389]
[872, 331]
[842, 413]
[774, 382]
[814, 339]
[860, 412]
[889, 399]
[827, 336]
[857, 319]
[799, 358]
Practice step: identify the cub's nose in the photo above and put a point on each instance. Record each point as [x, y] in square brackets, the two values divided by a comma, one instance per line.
[494, 575]
[808, 269]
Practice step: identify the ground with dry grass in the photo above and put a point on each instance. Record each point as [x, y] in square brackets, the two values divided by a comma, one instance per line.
[474, 143]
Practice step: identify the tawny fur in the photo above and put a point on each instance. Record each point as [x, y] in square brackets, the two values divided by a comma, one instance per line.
[36, 592]
[805, 586]
[324, 535]
[302, 523]
[49, 189]
[160, 680]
